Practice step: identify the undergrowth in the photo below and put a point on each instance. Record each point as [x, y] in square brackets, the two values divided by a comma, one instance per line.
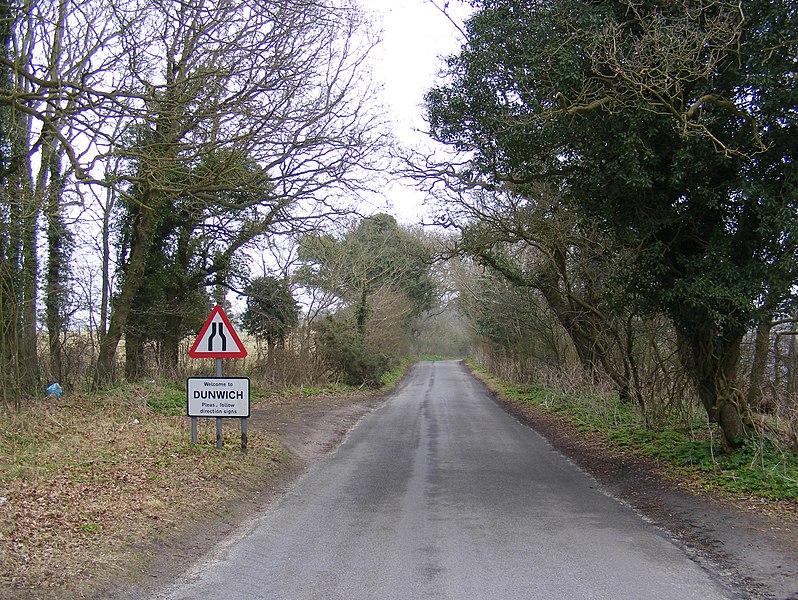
[168, 398]
[761, 468]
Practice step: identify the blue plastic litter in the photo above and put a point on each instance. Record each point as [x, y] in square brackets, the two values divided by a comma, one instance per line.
[54, 389]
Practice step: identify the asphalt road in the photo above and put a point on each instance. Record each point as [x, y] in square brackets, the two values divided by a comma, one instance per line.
[441, 494]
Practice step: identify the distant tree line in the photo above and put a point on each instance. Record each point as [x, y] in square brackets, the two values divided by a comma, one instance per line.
[378, 282]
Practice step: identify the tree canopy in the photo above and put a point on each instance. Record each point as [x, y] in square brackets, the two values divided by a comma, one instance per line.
[375, 254]
[199, 128]
[657, 121]
[377, 275]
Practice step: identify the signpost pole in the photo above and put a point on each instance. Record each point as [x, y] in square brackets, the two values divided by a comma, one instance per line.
[193, 430]
[219, 438]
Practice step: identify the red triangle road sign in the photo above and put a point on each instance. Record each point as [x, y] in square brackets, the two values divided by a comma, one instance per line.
[217, 338]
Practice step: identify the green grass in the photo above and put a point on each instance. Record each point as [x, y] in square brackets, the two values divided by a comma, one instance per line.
[760, 469]
[93, 475]
[310, 391]
[392, 377]
[163, 397]
[168, 399]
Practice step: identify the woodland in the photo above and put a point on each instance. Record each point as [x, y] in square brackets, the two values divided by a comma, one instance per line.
[615, 202]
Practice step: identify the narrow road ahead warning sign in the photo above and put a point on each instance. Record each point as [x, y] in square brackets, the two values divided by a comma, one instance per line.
[217, 338]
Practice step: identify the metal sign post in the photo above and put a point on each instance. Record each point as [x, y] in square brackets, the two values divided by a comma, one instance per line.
[219, 437]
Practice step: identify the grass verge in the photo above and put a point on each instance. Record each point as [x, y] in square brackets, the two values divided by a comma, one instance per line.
[86, 480]
[89, 482]
[691, 452]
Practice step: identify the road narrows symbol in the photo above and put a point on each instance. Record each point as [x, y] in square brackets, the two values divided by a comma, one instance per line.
[217, 338]
[217, 329]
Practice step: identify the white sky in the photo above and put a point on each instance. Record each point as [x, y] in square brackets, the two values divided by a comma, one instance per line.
[416, 37]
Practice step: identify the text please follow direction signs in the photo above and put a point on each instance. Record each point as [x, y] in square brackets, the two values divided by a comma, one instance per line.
[218, 397]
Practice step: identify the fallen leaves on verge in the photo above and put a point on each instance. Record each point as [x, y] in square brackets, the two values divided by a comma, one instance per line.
[87, 482]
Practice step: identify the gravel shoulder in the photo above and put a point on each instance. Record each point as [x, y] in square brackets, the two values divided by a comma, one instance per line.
[308, 428]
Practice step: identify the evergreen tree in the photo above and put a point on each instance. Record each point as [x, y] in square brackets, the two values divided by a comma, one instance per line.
[271, 311]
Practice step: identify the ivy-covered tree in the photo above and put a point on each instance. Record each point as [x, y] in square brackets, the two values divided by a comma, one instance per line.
[9, 238]
[348, 353]
[193, 246]
[376, 253]
[669, 125]
[39, 57]
[269, 93]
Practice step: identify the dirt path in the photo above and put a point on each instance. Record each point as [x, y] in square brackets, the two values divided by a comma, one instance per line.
[757, 548]
[311, 429]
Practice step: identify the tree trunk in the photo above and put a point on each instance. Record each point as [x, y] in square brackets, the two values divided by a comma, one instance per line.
[759, 366]
[9, 324]
[22, 212]
[712, 360]
[791, 380]
[584, 327]
[134, 355]
[170, 342]
[49, 188]
[54, 295]
[29, 264]
[29, 359]
[106, 361]
[58, 243]
[362, 311]
[105, 294]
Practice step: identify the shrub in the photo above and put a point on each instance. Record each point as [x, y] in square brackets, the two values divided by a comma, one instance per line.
[343, 350]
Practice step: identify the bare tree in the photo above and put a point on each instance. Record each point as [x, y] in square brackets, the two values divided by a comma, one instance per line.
[46, 63]
[140, 97]
[276, 85]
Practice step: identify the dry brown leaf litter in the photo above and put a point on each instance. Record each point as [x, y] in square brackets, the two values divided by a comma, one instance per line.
[82, 481]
